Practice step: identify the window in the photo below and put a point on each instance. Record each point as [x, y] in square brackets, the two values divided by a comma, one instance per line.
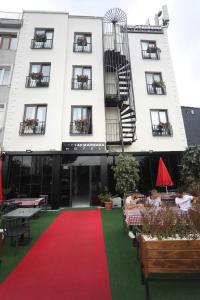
[4, 75]
[160, 123]
[43, 38]
[82, 42]
[8, 41]
[39, 75]
[150, 50]
[155, 84]
[34, 121]
[82, 78]
[81, 120]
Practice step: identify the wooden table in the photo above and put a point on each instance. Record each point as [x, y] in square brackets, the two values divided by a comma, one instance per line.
[24, 214]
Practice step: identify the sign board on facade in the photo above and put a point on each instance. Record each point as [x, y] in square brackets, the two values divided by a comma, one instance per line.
[84, 147]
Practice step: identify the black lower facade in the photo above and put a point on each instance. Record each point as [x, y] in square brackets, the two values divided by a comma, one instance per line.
[69, 178]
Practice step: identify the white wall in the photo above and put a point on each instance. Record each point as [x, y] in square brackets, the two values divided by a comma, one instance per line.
[52, 96]
[94, 97]
[144, 102]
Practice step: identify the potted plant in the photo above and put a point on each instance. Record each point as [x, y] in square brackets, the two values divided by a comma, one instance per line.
[126, 174]
[36, 75]
[158, 84]
[40, 37]
[82, 78]
[106, 201]
[169, 240]
[81, 125]
[81, 41]
[153, 49]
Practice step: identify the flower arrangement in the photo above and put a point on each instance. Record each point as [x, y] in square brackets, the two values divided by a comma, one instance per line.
[81, 125]
[165, 223]
[81, 41]
[36, 75]
[40, 37]
[82, 78]
[158, 84]
[31, 123]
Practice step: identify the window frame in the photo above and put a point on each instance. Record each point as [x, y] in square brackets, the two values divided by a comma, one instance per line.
[46, 30]
[3, 67]
[161, 79]
[9, 36]
[73, 76]
[167, 121]
[36, 106]
[84, 34]
[81, 106]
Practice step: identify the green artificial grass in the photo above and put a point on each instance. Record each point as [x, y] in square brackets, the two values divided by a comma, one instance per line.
[8, 257]
[125, 272]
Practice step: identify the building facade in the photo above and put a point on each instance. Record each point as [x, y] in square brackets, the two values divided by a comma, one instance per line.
[85, 89]
[10, 24]
[191, 119]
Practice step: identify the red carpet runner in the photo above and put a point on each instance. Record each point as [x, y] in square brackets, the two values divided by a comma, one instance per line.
[68, 262]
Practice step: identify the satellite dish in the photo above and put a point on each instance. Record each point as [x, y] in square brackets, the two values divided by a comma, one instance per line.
[160, 13]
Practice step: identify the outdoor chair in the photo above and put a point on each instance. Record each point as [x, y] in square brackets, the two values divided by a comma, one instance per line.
[44, 203]
[14, 229]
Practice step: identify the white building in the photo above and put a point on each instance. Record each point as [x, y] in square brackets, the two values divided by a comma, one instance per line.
[84, 89]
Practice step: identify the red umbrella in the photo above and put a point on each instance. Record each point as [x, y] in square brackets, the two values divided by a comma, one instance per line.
[1, 188]
[163, 177]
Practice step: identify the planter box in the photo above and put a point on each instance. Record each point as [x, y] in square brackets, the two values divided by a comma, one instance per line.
[169, 256]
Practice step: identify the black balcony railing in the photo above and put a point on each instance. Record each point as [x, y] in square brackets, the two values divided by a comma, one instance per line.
[81, 85]
[162, 130]
[113, 132]
[37, 82]
[34, 129]
[82, 48]
[151, 55]
[80, 127]
[48, 44]
[153, 90]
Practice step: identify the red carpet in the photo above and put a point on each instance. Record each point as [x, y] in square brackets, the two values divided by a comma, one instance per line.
[68, 262]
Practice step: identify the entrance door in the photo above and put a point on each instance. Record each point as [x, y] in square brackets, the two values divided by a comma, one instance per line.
[81, 186]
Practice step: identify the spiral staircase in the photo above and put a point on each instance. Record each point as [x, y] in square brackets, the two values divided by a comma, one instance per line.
[119, 92]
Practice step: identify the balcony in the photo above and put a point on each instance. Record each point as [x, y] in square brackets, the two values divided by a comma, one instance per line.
[151, 55]
[163, 129]
[85, 48]
[113, 132]
[80, 127]
[32, 127]
[79, 84]
[47, 44]
[34, 82]
[153, 89]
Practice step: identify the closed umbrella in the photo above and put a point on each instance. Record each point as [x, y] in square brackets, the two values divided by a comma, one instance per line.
[163, 176]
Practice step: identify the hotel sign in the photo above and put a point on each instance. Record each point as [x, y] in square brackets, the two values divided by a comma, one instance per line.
[84, 147]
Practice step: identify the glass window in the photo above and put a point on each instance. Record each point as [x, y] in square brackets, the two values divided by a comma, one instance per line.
[82, 42]
[37, 112]
[43, 68]
[81, 122]
[4, 75]
[13, 43]
[82, 71]
[159, 116]
[8, 42]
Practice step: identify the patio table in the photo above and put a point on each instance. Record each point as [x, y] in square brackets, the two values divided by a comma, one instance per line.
[26, 202]
[24, 214]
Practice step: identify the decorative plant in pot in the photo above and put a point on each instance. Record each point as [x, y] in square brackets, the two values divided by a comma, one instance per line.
[36, 75]
[30, 124]
[158, 84]
[82, 79]
[126, 174]
[40, 37]
[169, 240]
[81, 125]
[82, 41]
[153, 49]
[106, 201]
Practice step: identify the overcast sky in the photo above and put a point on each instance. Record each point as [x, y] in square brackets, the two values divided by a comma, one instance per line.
[183, 31]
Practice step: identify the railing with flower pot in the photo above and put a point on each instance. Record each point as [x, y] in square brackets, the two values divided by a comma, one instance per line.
[151, 53]
[81, 82]
[82, 45]
[156, 88]
[36, 79]
[41, 42]
[80, 126]
[162, 129]
[32, 127]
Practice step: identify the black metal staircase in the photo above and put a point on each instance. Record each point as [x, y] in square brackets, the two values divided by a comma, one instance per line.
[118, 67]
